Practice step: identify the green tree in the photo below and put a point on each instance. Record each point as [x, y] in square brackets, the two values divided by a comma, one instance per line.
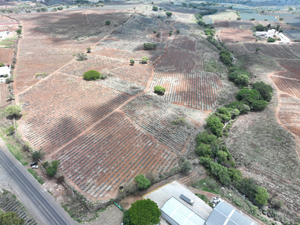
[259, 27]
[215, 125]
[11, 129]
[11, 218]
[154, 8]
[36, 155]
[51, 171]
[131, 62]
[159, 90]
[271, 39]
[242, 80]
[257, 50]
[261, 196]
[91, 75]
[236, 175]
[204, 150]
[169, 14]
[88, 50]
[205, 138]
[258, 104]
[185, 166]
[144, 60]
[126, 218]
[19, 31]
[281, 19]
[264, 89]
[243, 108]
[81, 57]
[13, 110]
[149, 46]
[107, 22]
[144, 212]
[142, 182]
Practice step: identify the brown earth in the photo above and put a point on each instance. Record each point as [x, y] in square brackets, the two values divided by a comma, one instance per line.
[236, 35]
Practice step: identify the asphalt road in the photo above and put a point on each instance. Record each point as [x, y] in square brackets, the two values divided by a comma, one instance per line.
[47, 208]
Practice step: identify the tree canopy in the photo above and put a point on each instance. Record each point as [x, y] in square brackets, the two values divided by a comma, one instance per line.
[144, 212]
[169, 14]
[11, 218]
[91, 75]
[142, 182]
[261, 196]
[13, 110]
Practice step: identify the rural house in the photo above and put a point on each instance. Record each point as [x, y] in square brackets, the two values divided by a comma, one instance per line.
[4, 73]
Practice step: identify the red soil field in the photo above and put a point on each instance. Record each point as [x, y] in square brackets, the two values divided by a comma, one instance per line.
[289, 113]
[234, 35]
[6, 55]
[292, 68]
[48, 43]
[272, 50]
[290, 86]
[155, 119]
[196, 89]
[111, 154]
[61, 107]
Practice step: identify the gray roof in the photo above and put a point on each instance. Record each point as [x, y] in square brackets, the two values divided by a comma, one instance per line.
[181, 214]
[224, 214]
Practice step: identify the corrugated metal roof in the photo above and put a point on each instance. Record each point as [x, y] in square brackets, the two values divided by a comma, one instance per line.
[180, 213]
[224, 214]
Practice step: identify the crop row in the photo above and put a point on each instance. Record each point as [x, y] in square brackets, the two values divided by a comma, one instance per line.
[289, 86]
[139, 22]
[196, 89]
[289, 113]
[3, 92]
[62, 107]
[158, 121]
[277, 51]
[184, 42]
[111, 154]
[292, 68]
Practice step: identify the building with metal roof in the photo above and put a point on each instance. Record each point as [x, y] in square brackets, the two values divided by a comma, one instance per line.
[177, 213]
[223, 214]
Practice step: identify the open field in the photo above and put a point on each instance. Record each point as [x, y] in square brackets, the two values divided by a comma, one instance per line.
[236, 35]
[290, 86]
[291, 68]
[6, 55]
[226, 15]
[233, 24]
[48, 42]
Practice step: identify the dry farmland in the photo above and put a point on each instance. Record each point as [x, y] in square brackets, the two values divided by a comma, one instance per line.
[6, 55]
[234, 35]
[106, 132]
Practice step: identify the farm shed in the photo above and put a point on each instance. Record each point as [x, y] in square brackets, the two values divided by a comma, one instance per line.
[178, 214]
[225, 214]
[3, 34]
[4, 73]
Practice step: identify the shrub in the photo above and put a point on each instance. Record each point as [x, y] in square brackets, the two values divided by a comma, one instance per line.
[247, 94]
[261, 196]
[177, 31]
[154, 31]
[149, 46]
[51, 171]
[9, 80]
[142, 182]
[144, 212]
[170, 33]
[10, 129]
[10, 97]
[243, 108]
[13, 110]
[107, 22]
[265, 90]
[271, 39]
[36, 155]
[11, 218]
[81, 57]
[2, 64]
[60, 179]
[215, 125]
[88, 50]
[252, 19]
[185, 166]
[91, 75]
[223, 114]
[154, 8]
[144, 60]
[26, 147]
[169, 14]
[126, 218]
[204, 150]
[159, 90]
[277, 204]
[19, 31]
[131, 62]
[259, 27]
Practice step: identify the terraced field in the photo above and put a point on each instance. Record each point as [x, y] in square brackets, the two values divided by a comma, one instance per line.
[111, 154]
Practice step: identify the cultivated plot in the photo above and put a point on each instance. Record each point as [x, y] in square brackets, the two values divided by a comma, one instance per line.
[234, 35]
[111, 154]
[61, 107]
[6, 55]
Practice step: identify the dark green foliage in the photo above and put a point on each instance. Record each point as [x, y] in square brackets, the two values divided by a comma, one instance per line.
[154, 8]
[235, 174]
[261, 196]
[144, 212]
[13, 110]
[107, 22]
[10, 129]
[185, 166]
[142, 182]
[149, 46]
[1, 64]
[252, 19]
[215, 125]
[177, 31]
[205, 138]
[248, 187]
[259, 27]
[265, 90]
[19, 31]
[246, 94]
[225, 57]
[36, 155]
[154, 31]
[169, 14]
[51, 170]
[126, 218]
[243, 108]
[10, 218]
[210, 32]
[204, 150]
[144, 60]
[223, 114]
[131, 62]
[271, 40]
[91, 75]
[239, 76]
[159, 90]
[171, 32]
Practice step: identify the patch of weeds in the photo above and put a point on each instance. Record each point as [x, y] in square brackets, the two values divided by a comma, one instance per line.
[278, 138]
[50, 192]
[179, 121]
[207, 184]
[24, 163]
[34, 173]
[14, 197]
[205, 199]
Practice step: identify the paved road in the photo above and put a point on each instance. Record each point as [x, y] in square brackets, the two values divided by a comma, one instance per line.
[47, 208]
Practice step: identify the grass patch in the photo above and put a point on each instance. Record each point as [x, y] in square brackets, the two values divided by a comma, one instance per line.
[34, 173]
[205, 199]
[50, 192]
[207, 184]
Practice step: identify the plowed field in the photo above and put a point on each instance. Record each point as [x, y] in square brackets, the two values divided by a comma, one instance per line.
[110, 154]
[234, 35]
[6, 55]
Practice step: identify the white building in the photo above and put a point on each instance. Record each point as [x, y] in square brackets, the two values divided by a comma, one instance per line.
[4, 73]
[3, 34]
[269, 33]
[284, 39]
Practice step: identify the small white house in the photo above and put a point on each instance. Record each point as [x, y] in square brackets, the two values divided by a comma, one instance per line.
[284, 39]
[269, 33]
[3, 34]
[4, 73]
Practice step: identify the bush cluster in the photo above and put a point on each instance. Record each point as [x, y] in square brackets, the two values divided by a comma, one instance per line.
[225, 57]
[142, 182]
[239, 76]
[199, 16]
[91, 75]
[271, 39]
[154, 8]
[159, 90]
[149, 46]
[52, 169]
